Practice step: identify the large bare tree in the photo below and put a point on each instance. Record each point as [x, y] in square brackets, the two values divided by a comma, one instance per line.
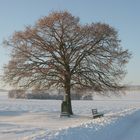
[58, 51]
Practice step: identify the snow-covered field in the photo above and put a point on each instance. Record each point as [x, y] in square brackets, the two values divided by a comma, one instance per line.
[40, 119]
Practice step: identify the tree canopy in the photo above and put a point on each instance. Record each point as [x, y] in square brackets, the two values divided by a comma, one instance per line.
[59, 51]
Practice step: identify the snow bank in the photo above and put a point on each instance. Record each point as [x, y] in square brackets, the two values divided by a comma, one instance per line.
[110, 127]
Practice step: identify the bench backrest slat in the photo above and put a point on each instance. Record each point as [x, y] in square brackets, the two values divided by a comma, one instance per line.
[94, 111]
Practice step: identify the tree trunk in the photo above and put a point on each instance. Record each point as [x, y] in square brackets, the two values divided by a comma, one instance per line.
[67, 96]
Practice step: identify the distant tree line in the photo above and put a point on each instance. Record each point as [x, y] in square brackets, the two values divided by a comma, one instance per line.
[45, 95]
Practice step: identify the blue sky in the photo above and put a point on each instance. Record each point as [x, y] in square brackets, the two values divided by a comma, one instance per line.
[121, 14]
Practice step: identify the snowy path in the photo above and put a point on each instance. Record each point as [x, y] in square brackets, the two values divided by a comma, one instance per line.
[128, 128]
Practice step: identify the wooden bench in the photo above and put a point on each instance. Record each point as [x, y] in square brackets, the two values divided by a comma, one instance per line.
[96, 114]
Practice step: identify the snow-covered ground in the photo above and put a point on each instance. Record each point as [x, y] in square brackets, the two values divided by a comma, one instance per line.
[40, 119]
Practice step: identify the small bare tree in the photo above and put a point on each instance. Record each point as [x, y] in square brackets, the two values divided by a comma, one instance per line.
[59, 51]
